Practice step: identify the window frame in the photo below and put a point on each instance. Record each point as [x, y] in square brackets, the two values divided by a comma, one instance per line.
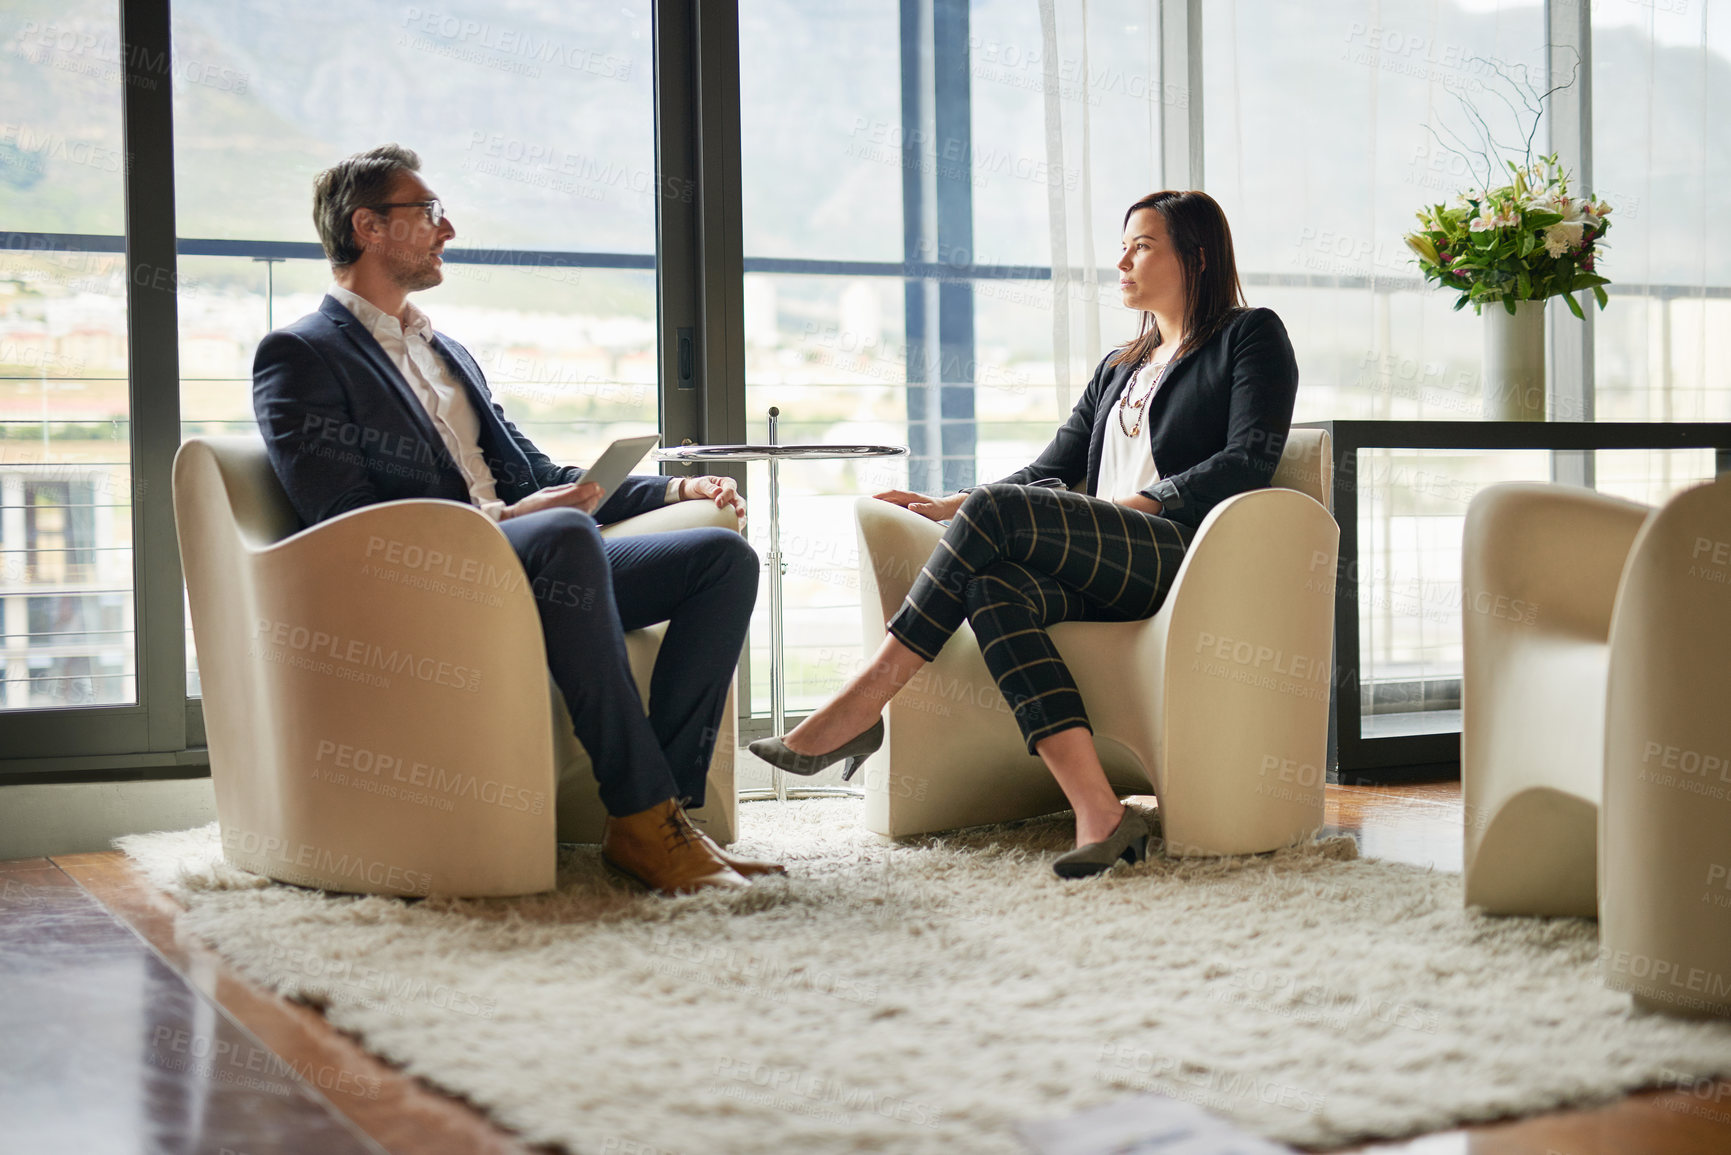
[699, 307]
[699, 302]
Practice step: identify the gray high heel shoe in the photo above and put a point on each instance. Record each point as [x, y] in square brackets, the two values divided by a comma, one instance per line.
[1129, 842]
[775, 752]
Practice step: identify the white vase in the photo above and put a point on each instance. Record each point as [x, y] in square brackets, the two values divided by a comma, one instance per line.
[1514, 380]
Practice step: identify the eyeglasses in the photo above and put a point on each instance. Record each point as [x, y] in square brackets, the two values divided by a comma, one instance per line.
[435, 208]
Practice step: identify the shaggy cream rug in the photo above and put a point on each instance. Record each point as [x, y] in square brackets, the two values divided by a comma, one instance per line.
[927, 996]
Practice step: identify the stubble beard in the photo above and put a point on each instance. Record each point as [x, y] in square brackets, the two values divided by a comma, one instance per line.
[412, 274]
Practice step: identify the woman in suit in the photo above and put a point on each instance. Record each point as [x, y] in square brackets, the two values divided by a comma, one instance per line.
[1192, 411]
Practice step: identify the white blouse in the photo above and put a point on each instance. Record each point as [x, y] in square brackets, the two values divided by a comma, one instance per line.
[1127, 463]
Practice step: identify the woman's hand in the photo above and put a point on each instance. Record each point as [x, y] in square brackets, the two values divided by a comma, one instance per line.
[1141, 504]
[936, 508]
[579, 495]
[723, 491]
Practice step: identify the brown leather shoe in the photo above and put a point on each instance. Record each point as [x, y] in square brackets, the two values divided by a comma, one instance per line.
[749, 867]
[661, 849]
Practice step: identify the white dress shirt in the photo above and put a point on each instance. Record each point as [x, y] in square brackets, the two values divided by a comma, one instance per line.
[440, 394]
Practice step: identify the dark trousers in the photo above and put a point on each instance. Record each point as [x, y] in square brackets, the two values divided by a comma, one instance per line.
[702, 582]
[1019, 558]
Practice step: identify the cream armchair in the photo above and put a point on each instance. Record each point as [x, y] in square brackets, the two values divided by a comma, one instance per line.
[1540, 566]
[1665, 826]
[1595, 736]
[376, 699]
[1218, 704]
[1595, 739]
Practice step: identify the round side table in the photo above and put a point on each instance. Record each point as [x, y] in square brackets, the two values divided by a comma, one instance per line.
[775, 453]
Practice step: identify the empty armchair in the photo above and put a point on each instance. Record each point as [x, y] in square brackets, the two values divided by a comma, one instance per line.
[1595, 739]
[376, 699]
[1218, 704]
[1540, 568]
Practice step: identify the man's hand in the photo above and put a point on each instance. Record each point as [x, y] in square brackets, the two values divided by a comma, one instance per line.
[1141, 504]
[579, 495]
[723, 491]
[936, 508]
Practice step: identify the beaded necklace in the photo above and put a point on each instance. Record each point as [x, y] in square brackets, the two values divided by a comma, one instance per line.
[1124, 401]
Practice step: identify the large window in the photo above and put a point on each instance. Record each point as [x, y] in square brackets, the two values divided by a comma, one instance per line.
[930, 198]
[66, 615]
[536, 127]
[928, 238]
[1320, 190]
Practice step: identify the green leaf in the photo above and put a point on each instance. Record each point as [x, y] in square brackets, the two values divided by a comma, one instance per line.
[1525, 285]
[1539, 219]
[1509, 305]
[1600, 294]
[1574, 305]
[1460, 304]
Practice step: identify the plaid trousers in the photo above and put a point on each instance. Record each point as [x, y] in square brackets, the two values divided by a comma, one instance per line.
[1019, 558]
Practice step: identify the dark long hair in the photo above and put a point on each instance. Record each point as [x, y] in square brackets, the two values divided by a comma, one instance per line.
[1195, 225]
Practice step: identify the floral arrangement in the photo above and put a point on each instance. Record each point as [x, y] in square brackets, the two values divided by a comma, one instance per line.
[1525, 241]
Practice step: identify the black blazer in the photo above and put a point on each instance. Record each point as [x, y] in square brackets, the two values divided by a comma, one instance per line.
[1219, 420]
[345, 430]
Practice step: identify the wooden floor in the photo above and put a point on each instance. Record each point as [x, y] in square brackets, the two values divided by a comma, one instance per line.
[122, 1036]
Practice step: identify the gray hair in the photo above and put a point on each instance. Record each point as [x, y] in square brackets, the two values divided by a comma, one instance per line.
[354, 183]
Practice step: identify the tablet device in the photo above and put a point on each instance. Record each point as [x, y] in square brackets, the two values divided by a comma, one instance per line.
[614, 464]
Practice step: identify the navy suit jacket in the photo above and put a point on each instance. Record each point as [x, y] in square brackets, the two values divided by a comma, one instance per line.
[1218, 423]
[345, 430]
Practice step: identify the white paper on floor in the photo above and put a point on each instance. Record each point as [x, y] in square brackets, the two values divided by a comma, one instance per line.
[1144, 1125]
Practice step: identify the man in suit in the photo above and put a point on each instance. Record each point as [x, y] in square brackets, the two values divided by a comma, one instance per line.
[362, 402]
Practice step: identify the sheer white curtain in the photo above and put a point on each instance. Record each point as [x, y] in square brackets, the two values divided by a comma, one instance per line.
[1662, 151]
[1328, 125]
[1066, 121]
[1084, 277]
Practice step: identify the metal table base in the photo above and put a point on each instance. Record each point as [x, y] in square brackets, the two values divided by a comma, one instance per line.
[775, 453]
